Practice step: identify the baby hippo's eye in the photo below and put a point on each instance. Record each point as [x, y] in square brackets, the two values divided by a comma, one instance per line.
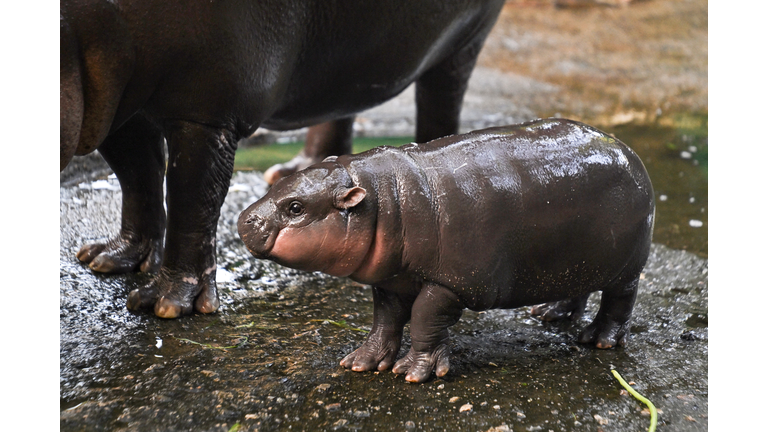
[295, 208]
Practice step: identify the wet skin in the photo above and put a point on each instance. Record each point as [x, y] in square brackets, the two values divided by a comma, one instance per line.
[201, 75]
[540, 213]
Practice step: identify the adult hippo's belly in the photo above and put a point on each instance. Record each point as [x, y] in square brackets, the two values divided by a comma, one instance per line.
[201, 75]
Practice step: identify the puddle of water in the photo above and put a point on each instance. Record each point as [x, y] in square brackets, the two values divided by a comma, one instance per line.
[675, 152]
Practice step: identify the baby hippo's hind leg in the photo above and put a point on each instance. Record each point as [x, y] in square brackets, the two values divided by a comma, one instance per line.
[611, 325]
[554, 311]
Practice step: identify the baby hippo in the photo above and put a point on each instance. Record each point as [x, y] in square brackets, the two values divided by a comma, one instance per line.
[544, 213]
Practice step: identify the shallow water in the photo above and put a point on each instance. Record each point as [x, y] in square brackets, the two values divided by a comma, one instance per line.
[268, 359]
[675, 153]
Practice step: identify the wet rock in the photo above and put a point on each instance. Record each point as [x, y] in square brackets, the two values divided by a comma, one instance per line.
[601, 420]
[322, 388]
[340, 424]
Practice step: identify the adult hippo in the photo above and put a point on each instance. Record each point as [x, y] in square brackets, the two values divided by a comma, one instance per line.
[202, 74]
[544, 212]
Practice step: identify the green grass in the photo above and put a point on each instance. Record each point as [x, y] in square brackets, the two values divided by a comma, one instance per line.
[262, 157]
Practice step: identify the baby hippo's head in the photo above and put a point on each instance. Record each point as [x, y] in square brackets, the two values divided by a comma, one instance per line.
[303, 221]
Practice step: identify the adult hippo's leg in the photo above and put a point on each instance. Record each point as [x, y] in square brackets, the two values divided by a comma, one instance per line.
[390, 314]
[200, 163]
[436, 308]
[555, 311]
[135, 154]
[611, 324]
[333, 138]
[440, 93]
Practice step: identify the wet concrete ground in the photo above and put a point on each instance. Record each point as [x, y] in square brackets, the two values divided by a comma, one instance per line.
[268, 360]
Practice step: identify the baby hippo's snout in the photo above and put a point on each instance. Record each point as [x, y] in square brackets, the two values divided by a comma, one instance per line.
[255, 231]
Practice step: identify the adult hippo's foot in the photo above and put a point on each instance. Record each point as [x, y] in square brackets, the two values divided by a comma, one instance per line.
[333, 138]
[197, 182]
[174, 296]
[135, 154]
[555, 311]
[123, 254]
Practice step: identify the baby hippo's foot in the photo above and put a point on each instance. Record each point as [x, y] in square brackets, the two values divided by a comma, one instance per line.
[418, 366]
[605, 332]
[378, 352]
[555, 311]
[171, 296]
[123, 254]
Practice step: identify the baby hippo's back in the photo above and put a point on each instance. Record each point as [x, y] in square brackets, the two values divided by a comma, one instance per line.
[526, 214]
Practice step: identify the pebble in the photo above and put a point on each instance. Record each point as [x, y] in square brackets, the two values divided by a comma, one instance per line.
[465, 407]
[454, 399]
[601, 420]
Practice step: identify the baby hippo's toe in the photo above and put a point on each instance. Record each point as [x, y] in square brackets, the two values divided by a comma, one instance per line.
[418, 366]
[605, 334]
[375, 354]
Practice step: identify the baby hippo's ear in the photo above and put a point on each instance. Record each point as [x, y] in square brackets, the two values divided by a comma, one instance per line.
[347, 198]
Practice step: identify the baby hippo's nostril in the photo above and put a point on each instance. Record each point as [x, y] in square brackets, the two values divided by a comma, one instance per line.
[253, 219]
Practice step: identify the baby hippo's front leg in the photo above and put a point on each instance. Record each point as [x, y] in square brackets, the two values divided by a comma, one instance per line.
[390, 314]
[436, 308]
